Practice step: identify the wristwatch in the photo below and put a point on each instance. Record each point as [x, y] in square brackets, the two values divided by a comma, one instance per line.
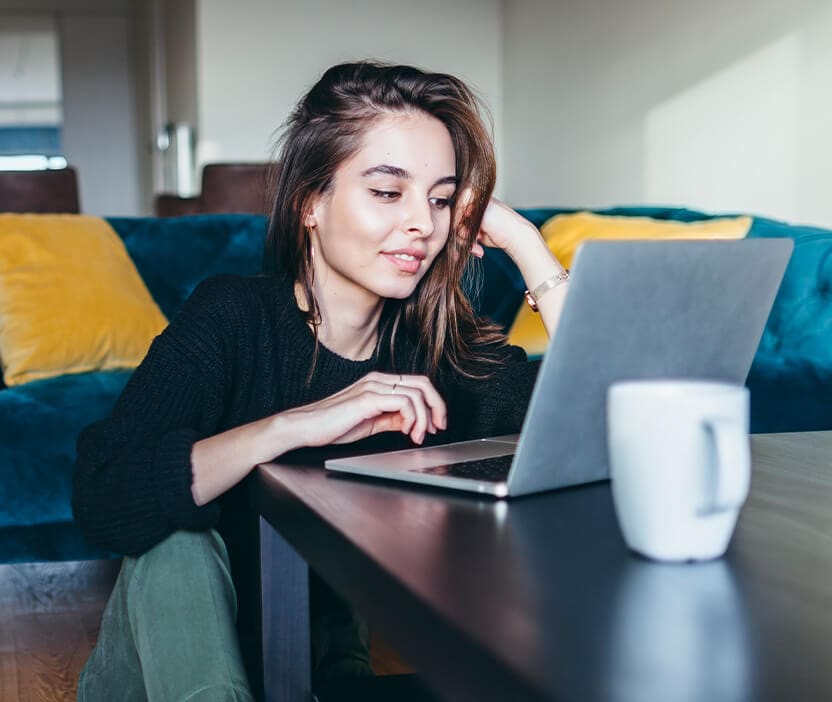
[532, 296]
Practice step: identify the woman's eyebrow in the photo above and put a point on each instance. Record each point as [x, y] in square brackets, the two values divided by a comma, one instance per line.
[447, 180]
[385, 169]
[398, 172]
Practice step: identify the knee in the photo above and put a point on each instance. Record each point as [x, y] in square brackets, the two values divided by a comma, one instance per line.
[187, 549]
[181, 564]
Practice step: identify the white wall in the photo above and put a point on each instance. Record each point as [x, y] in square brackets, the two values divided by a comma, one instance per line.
[101, 125]
[255, 58]
[180, 61]
[722, 105]
[29, 70]
[170, 38]
[104, 133]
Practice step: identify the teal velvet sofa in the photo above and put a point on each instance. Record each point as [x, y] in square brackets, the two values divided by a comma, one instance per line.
[790, 381]
[40, 420]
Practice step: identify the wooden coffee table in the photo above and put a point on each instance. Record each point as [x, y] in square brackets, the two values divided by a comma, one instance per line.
[539, 599]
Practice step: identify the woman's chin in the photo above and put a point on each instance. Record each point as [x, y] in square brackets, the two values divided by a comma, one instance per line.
[398, 290]
[398, 295]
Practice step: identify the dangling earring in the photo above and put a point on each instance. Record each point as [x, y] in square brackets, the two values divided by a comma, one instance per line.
[309, 239]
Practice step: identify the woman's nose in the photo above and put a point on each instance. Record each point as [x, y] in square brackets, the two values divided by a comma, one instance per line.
[419, 218]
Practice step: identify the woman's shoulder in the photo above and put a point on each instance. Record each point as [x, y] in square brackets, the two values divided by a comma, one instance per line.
[497, 353]
[232, 307]
[226, 315]
[508, 353]
[232, 286]
[241, 296]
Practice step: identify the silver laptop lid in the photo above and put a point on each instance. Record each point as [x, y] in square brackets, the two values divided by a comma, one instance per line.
[641, 309]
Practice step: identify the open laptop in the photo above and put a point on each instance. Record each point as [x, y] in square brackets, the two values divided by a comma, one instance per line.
[635, 309]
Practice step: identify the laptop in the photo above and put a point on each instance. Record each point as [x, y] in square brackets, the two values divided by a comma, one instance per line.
[635, 309]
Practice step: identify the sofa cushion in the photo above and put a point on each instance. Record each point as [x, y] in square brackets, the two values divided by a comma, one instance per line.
[71, 300]
[41, 422]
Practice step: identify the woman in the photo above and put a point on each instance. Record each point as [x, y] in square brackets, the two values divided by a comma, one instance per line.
[358, 330]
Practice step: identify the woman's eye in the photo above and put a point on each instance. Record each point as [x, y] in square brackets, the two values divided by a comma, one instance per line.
[440, 203]
[384, 194]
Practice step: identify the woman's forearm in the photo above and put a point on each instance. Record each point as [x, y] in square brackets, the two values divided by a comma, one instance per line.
[221, 461]
[537, 264]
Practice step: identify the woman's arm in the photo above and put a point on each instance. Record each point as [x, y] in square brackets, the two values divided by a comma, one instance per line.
[504, 228]
[537, 265]
[376, 403]
[132, 480]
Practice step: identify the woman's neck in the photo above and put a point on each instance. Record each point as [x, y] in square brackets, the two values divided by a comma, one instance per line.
[349, 324]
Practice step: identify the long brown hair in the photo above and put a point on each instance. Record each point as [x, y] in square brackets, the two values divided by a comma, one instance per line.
[326, 129]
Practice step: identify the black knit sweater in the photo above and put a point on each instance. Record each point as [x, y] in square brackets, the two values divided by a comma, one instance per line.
[238, 351]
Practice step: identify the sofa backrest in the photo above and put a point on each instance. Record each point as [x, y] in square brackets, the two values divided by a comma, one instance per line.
[174, 255]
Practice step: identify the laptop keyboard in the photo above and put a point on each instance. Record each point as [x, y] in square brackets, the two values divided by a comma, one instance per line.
[493, 470]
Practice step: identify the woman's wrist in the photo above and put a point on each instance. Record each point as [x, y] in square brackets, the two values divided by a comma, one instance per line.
[283, 434]
[537, 263]
[219, 462]
[553, 281]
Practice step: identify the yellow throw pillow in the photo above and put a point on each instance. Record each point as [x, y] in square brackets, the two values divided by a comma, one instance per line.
[71, 299]
[564, 232]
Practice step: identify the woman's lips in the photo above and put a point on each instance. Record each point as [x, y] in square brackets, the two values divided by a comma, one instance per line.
[405, 261]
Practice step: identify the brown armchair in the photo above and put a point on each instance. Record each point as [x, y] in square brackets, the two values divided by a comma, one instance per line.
[40, 191]
[226, 187]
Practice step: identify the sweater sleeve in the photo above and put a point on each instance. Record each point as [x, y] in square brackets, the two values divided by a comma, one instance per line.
[496, 405]
[132, 481]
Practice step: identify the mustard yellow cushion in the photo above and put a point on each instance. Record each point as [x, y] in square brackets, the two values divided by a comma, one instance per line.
[71, 299]
[563, 233]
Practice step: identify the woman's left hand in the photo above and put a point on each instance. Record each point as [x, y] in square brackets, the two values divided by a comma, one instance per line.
[502, 228]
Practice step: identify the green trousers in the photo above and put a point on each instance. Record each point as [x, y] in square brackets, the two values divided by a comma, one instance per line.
[168, 633]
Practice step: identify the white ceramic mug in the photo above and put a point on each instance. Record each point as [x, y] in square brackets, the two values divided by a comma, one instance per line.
[680, 465]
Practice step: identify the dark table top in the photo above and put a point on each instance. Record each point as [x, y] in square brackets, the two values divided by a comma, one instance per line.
[539, 598]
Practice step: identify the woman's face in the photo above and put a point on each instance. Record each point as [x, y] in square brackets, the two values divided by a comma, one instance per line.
[379, 228]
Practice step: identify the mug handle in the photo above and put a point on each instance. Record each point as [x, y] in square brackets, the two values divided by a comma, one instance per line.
[730, 473]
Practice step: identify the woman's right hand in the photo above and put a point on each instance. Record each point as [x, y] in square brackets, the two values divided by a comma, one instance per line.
[376, 403]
